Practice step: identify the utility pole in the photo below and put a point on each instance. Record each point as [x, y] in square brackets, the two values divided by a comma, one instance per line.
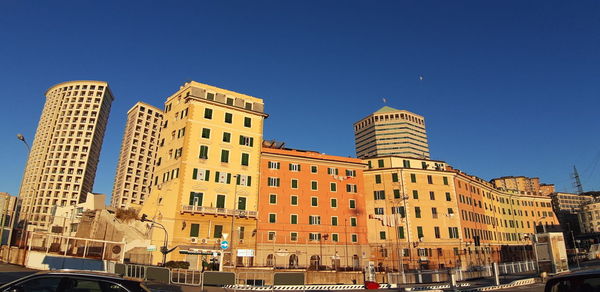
[578, 184]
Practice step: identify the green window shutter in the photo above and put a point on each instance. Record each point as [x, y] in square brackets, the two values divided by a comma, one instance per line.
[207, 175]
[245, 158]
[229, 178]
[413, 178]
[394, 177]
[191, 198]
[401, 232]
[377, 179]
[251, 141]
[249, 181]
[237, 179]
[218, 231]
[299, 167]
[396, 194]
[294, 219]
[195, 174]
[220, 201]
[241, 140]
[217, 176]
[241, 203]
[194, 230]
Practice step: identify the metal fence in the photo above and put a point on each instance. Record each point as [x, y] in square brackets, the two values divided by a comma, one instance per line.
[517, 267]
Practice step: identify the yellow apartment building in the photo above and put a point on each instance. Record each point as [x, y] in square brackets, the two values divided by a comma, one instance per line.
[206, 178]
[412, 213]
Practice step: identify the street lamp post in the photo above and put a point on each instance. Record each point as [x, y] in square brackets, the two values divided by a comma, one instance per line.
[15, 216]
[163, 249]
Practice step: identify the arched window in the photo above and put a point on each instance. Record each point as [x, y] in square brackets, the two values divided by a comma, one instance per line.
[315, 261]
[270, 260]
[293, 263]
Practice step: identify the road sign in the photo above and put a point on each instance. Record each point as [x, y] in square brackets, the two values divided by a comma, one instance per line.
[224, 244]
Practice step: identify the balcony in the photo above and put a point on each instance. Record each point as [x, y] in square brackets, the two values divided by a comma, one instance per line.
[217, 211]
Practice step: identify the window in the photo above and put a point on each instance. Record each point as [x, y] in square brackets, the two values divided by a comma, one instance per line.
[431, 195]
[246, 141]
[314, 185]
[210, 96]
[401, 232]
[271, 236]
[377, 178]
[294, 183]
[294, 236]
[332, 171]
[351, 188]
[445, 180]
[314, 236]
[243, 180]
[245, 159]
[273, 181]
[46, 284]
[334, 221]
[247, 122]
[203, 152]
[436, 231]
[453, 232]
[218, 231]
[354, 237]
[399, 210]
[314, 201]
[418, 212]
[396, 194]
[205, 133]
[333, 187]
[272, 218]
[220, 201]
[352, 204]
[420, 231]
[448, 197]
[194, 230]
[201, 174]
[352, 221]
[273, 165]
[380, 163]
[394, 177]
[415, 194]
[413, 178]
[406, 163]
[333, 203]
[208, 113]
[382, 235]
[226, 137]
[273, 199]
[294, 200]
[294, 219]
[434, 213]
[335, 237]
[350, 173]
[379, 195]
[378, 211]
[313, 169]
[294, 167]
[314, 220]
[228, 118]
[225, 156]
[429, 179]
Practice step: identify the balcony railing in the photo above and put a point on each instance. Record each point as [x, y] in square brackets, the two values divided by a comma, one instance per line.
[218, 211]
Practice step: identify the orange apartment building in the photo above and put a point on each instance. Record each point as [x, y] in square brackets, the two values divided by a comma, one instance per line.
[311, 210]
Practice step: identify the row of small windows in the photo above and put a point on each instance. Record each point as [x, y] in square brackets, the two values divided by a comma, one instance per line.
[313, 236]
[208, 114]
[452, 233]
[314, 220]
[314, 201]
[413, 178]
[296, 167]
[314, 185]
[197, 199]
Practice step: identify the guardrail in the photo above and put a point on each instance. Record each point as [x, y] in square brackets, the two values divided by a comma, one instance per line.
[516, 267]
[186, 277]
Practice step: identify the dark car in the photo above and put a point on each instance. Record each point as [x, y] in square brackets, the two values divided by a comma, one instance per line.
[588, 281]
[73, 281]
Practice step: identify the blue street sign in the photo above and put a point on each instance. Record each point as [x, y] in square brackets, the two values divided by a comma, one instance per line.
[224, 244]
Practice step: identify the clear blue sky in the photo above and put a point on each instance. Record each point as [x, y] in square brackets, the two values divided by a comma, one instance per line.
[510, 88]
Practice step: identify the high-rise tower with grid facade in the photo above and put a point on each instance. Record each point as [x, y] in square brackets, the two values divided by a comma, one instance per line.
[64, 156]
[138, 152]
[389, 131]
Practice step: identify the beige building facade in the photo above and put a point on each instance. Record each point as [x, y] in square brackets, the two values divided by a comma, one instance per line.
[519, 184]
[133, 179]
[64, 156]
[589, 217]
[389, 131]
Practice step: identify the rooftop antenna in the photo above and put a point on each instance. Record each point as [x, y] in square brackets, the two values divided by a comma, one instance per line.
[578, 185]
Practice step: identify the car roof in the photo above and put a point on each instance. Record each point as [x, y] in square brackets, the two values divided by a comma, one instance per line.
[595, 272]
